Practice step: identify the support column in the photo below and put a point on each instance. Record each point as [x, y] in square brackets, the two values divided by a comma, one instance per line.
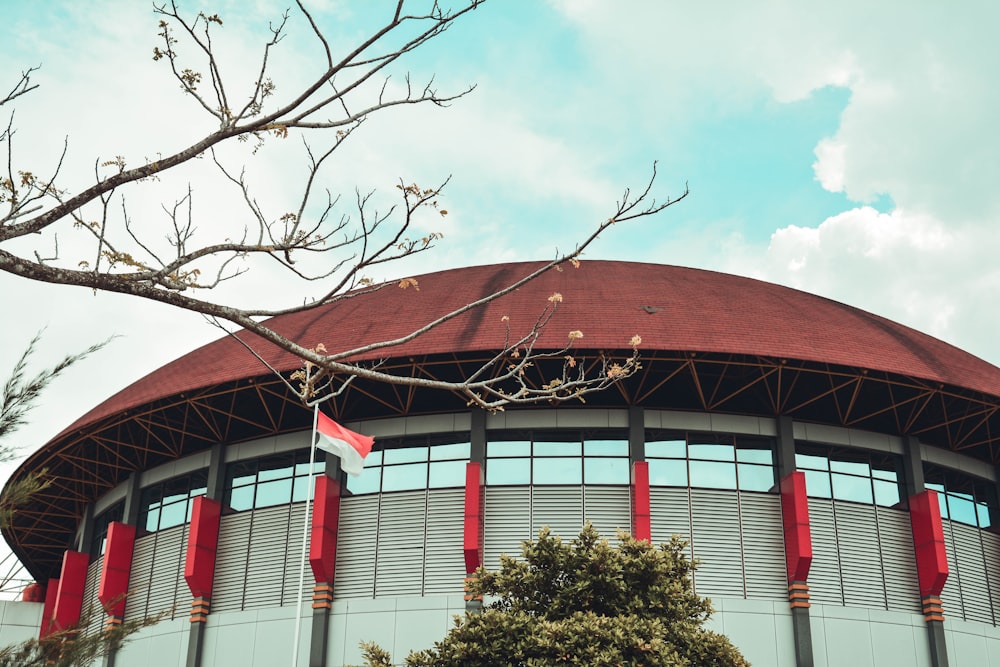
[472, 540]
[798, 540]
[798, 559]
[69, 597]
[932, 568]
[323, 559]
[475, 502]
[115, 573]
[202, 551]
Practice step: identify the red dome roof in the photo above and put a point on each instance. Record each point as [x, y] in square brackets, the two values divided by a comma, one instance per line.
[671, 308]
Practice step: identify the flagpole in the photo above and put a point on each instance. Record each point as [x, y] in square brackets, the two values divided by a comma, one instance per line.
[305, 539]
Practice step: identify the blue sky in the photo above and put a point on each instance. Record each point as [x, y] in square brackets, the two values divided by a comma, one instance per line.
[846, 150]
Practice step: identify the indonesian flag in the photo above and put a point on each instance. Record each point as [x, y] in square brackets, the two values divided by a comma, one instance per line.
[351, 447]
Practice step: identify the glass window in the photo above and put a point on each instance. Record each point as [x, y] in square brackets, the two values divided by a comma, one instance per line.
[457, 450]
[276, 492]
[712, 452]
[818, 484]
[605, 448]
[444, 474]
[404, 477]
[241, 498]
[850, 487]
[508, 448]
[962, 498]
[666, 449]
[754, 455]
[755, 477]
[167, 504]
[712, 474]
[508, 471]
[668, 472]
[370, 481]
[404, 455]
[557, 470]
[605, 470]
[557, 448]
[850, 474]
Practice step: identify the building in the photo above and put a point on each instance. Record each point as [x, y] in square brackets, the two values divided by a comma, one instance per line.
[835, 474]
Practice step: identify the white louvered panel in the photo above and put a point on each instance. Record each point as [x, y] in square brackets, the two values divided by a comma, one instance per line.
[991, 551]
[140, 580]
[860, 558]
[972, 578]
[357, 531]
[558, 507]
[951, 594]
[670, 514]
[824, 573]
[444, 559]
[400, 558]
[93, 612]
[609, 509]
[231, 562]
[763, 546]
[715, 523]
[266, 557]
[293, 558]
[507, 520]
[167, 563]
[899, 565]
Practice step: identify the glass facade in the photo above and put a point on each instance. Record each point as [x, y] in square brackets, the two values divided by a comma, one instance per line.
[568, 457]
[962, 498]
[556, 457]
[857, 475]
[99, 536]
[413, 463]
[274, 480]
[710, 462]
[168, 503]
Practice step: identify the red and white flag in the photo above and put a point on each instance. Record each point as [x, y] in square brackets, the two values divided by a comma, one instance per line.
[351, 447]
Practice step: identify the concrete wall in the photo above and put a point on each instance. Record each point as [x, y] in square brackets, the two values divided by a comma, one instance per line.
[19, 621]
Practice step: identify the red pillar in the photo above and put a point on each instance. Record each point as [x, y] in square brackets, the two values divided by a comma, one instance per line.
[199, 563]
[49, 609]
[928, 545]
[116, 570]
[69, 597]
[641, 517]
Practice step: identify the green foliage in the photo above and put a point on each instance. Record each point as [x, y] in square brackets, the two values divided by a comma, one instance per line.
[583, 602]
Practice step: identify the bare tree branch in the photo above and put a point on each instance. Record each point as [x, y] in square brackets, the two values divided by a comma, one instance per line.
[310, 242]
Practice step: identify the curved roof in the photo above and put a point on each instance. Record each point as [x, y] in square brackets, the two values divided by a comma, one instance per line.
[710, 341]
[670, 307]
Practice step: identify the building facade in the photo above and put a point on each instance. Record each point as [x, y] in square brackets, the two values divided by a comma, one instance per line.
[833, 472]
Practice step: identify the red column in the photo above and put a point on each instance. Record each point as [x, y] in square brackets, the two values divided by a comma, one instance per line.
[323, 540]
[49, 609]
[199, 563]
[641, 517]
[116, 569]
[69, 597]
[472, 541]
[928, 545]
[798, 537]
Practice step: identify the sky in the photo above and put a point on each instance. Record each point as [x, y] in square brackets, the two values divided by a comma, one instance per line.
[846, 149]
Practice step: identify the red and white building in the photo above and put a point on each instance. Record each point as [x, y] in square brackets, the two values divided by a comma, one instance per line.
[834, 472]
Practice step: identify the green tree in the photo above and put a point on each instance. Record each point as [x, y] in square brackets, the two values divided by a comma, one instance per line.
[583, 602]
